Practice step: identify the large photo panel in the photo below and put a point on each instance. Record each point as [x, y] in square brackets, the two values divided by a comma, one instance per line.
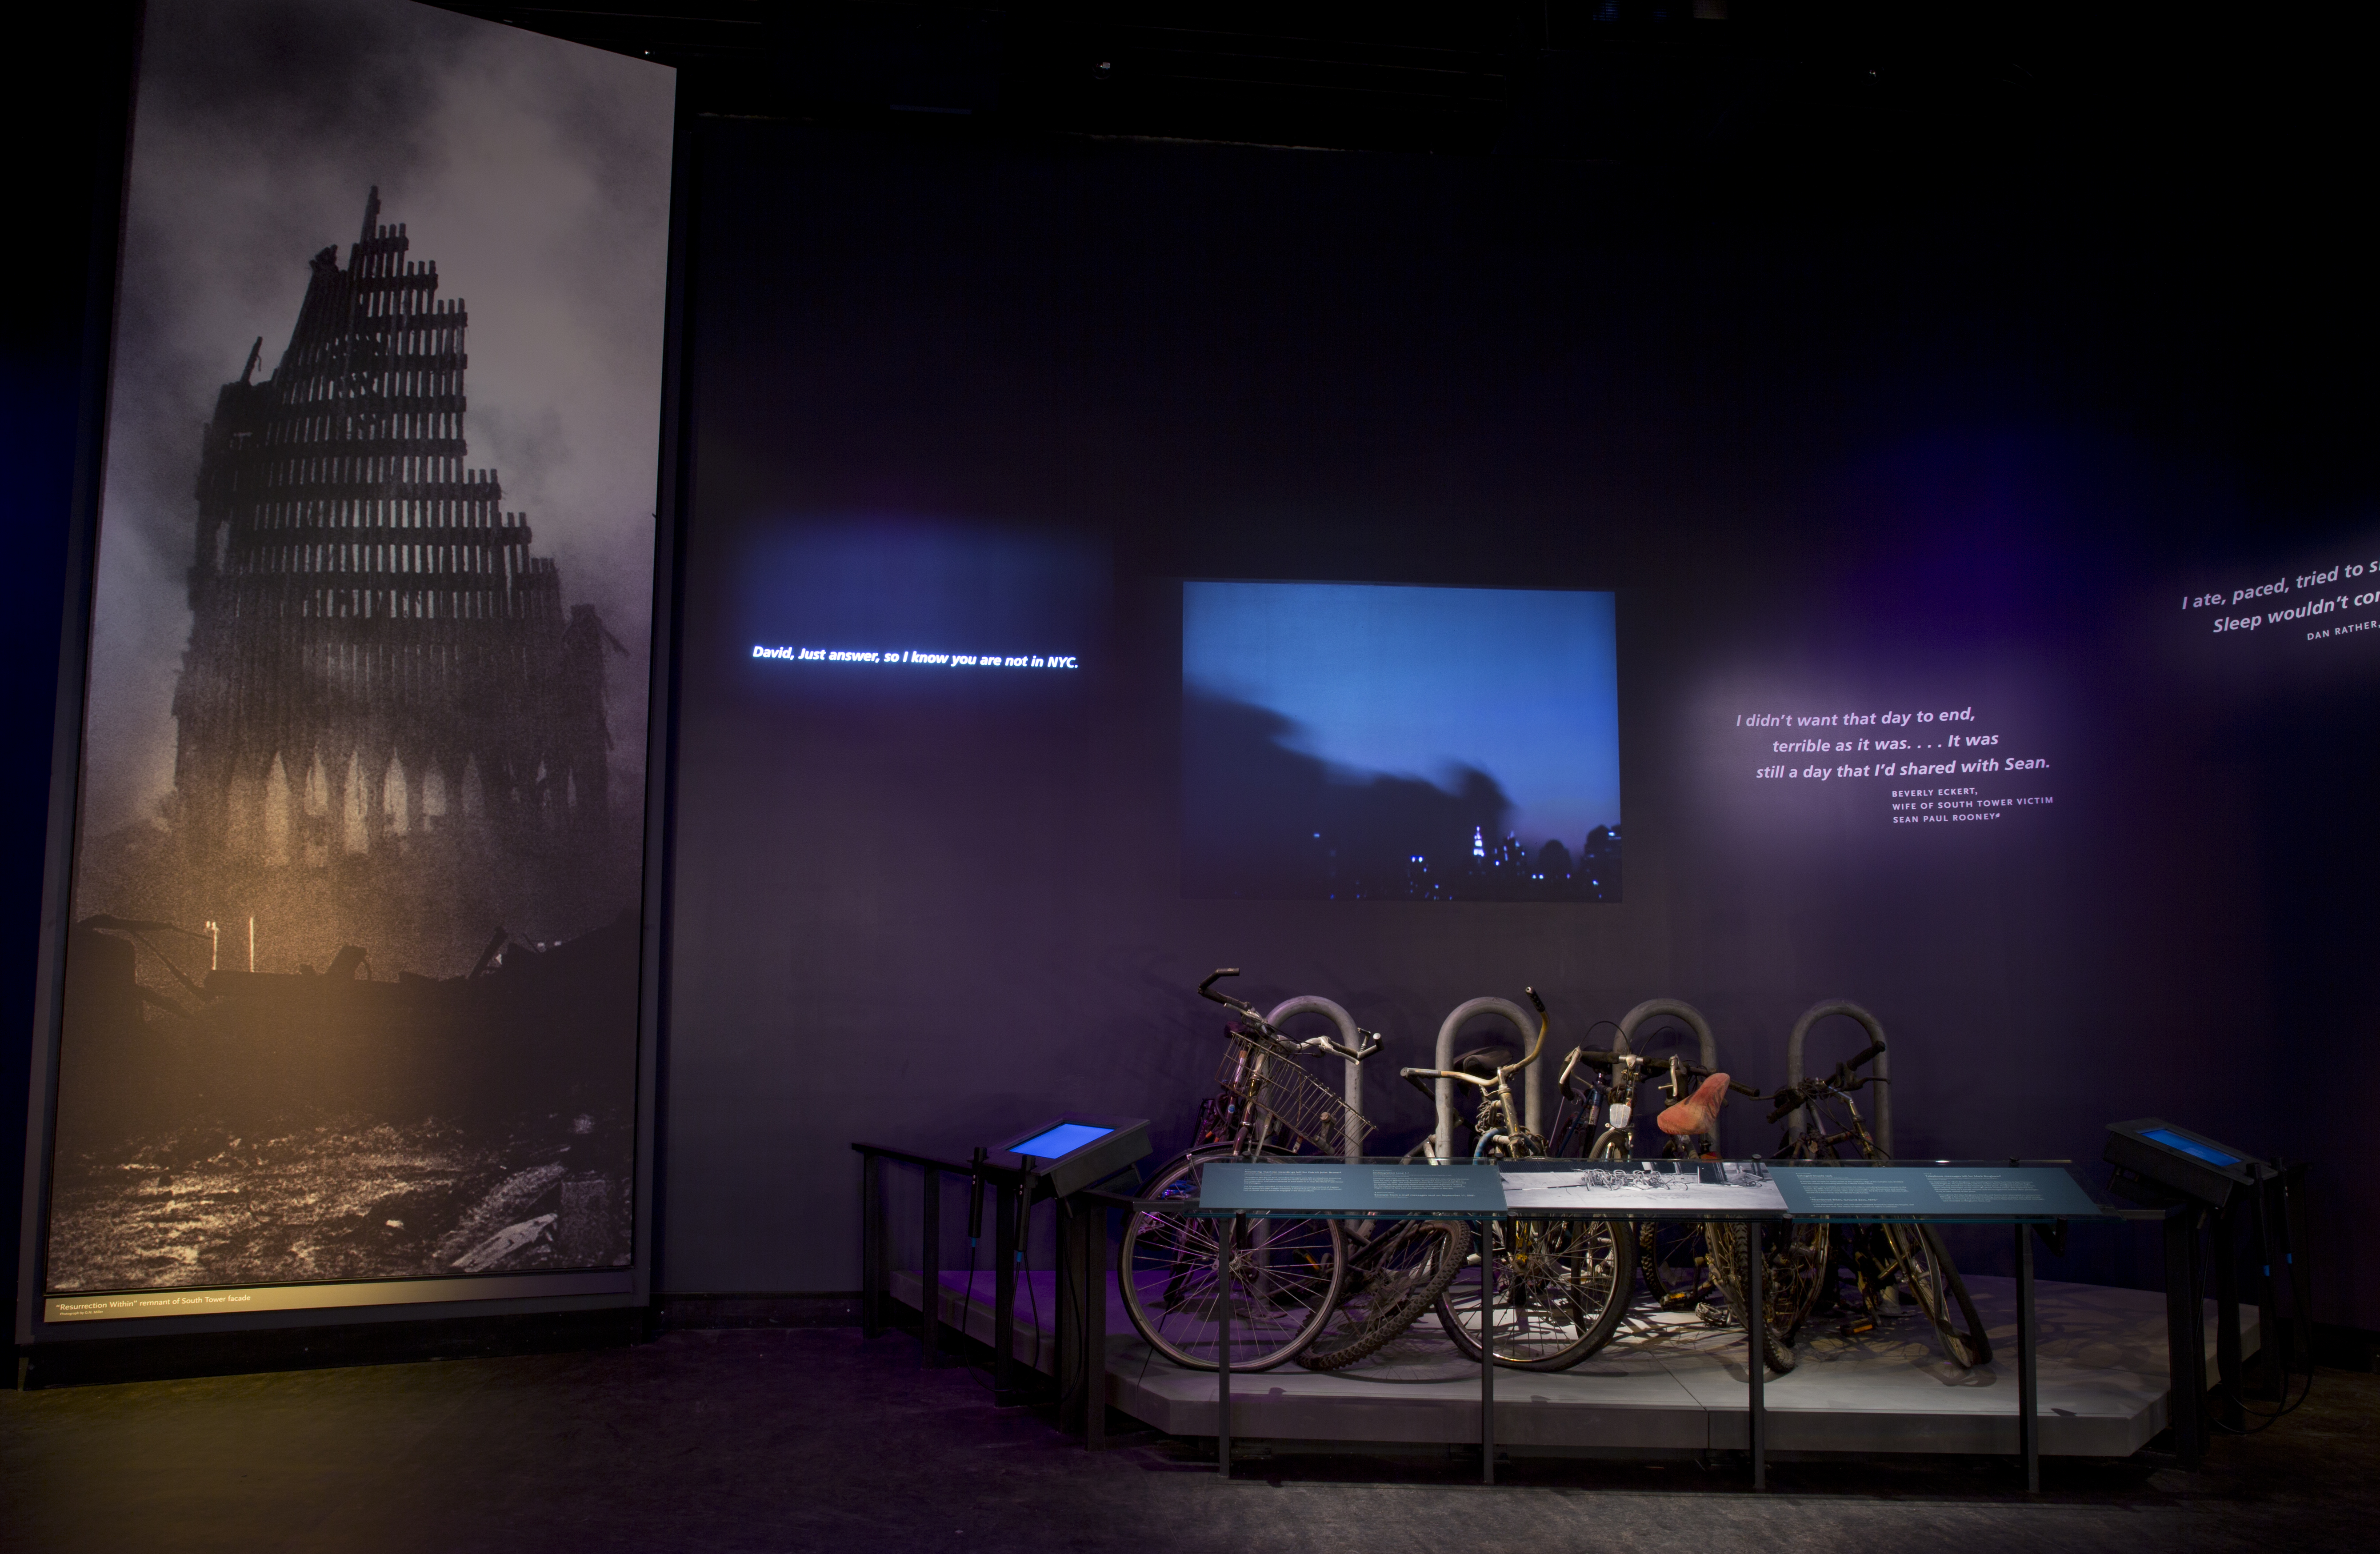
[351, 986]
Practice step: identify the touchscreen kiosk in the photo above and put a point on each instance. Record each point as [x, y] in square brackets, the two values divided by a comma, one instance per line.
[2181, 1160]
[1075, 1150]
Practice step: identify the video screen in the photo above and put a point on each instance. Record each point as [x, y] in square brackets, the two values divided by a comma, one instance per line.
[1366, 742]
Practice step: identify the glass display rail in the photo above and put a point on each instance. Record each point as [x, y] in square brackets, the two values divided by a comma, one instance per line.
[2035, 1197]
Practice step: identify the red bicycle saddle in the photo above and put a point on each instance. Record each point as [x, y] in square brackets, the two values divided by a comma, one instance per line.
[1698, 1112]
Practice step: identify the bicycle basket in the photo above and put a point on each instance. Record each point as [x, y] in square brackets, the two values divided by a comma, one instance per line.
[1277, 1097]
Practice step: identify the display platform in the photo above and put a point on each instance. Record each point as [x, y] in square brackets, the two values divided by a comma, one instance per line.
[1668, 1385]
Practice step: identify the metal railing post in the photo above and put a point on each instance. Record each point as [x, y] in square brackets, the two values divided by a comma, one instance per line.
[871, 1246]
[929, 1273]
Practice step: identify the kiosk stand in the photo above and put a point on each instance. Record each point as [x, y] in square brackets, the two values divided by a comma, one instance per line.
[2201, 1185]
[1060, 1160]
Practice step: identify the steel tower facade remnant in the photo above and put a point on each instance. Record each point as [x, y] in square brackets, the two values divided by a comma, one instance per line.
[375, 656]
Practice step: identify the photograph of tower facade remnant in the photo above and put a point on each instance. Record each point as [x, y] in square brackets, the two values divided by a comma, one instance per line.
[352, 969]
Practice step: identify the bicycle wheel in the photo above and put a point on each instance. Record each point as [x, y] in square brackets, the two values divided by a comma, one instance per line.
[1285, 1277]
[1925, 1268]
[1798, 1261]
[1561, 1286]
[1670, 1259]
[1731, 1263]
[1390, 1282]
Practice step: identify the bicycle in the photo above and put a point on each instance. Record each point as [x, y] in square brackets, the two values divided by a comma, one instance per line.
[1561, 1286]
[1809, 1270]
[1289, 1277]
[1715, 1255]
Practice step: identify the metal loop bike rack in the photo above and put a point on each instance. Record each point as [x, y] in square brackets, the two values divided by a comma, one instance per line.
[1309, 1003]
[1653, 1009]
[1441, 1143]
[1799, 1121]
[1676, 1009]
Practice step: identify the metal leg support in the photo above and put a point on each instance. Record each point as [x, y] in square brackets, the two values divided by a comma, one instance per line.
[1230, 1234]
[1755, 1320]
[1003, 1294]
[1487, 1351]
[2028, 1378]
[2227, 1320]
[930, 1274]
[871, 1246]
[2185, 1340]
[1092, 1232]
[2268, 1303]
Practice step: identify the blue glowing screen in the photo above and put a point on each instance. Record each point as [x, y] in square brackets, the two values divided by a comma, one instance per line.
[2191, 1147]
[1348, 741]
[1063, 1139]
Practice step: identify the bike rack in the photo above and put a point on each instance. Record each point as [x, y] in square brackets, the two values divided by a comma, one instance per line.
[1881, 1069]
[1309, 1003]
[1441, 1143]
[1677, 1009]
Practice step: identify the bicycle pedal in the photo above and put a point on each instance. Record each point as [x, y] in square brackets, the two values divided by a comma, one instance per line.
[1858, 1328]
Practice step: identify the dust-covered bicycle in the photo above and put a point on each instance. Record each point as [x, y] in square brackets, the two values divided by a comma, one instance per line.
[1319, 1289]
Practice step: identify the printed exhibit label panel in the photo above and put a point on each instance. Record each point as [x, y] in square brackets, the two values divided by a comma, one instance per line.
[1942, 1192]
[1330, 1187]
[314, 1297]
[1642, 1187]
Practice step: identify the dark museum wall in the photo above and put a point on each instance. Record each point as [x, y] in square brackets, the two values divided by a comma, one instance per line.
[1959, 448]
[1886, 430]
[49, 398]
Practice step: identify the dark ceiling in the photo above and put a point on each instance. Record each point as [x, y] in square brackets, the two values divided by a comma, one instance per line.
[1642, 81]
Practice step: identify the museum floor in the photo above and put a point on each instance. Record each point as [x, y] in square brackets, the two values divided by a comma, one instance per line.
[813, 1438]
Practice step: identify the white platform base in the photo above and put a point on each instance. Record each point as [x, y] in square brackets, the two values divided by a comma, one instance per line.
[1667, 1385]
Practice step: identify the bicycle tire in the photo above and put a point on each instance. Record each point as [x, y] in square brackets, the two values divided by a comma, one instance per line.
[1730, 1262]
[1576, 1307]
[1404, 1273]
[1165, 1271]
[1932, 1279]
[1799, 1261]
[1659, 1245]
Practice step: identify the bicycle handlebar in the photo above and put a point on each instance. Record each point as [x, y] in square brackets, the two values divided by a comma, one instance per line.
[1366, 1041]
[1206, 988]
[1793, 1097]
[1537, 1045]
[1358, 1053]
[1417, 1074]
